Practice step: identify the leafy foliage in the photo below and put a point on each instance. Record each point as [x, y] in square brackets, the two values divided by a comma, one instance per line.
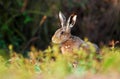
[50, 63]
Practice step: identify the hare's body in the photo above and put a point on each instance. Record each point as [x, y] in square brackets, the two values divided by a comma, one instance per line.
[71, 44]
[68, 42]
[75, 43]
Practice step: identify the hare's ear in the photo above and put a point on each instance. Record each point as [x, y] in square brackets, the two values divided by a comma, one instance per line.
[73, 20]
[70, 22]
[62, 18]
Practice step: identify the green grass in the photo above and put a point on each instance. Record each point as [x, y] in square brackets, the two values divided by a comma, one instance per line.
[51, 64]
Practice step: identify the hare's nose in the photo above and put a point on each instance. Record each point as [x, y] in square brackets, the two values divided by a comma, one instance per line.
[53, 39]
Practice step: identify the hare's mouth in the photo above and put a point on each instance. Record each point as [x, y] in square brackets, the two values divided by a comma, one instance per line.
[55, 40]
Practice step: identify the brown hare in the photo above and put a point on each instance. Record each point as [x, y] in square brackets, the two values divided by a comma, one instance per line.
[67, 41]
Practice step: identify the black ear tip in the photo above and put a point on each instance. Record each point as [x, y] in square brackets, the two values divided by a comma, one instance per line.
[73, 14]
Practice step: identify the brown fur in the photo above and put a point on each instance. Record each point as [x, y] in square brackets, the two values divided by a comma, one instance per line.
[72, 43]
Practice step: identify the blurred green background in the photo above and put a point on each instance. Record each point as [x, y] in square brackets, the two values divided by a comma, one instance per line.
[24, 23]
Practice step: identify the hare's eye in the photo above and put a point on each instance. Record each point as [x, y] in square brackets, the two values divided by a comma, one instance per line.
[62, 32]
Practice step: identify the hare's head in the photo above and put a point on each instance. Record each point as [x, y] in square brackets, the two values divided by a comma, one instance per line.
[64, 33]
